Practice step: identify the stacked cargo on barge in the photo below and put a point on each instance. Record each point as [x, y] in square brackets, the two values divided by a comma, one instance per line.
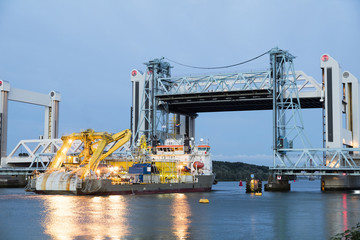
[93, 169]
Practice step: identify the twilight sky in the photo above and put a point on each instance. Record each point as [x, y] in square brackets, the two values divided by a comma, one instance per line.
[86, 50]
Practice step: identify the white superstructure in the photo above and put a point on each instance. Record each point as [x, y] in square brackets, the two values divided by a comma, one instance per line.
[197, 160]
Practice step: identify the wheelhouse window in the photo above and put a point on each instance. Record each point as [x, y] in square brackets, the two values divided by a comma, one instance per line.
[204, 149]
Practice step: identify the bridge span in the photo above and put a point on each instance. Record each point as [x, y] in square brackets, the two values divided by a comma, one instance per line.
[232, 92]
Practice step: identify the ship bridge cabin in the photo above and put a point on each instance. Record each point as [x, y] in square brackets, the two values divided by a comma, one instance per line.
[170, 149]
[203, 149]
[179, 149]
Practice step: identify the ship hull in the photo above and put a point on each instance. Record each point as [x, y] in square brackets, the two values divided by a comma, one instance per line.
[106, 187]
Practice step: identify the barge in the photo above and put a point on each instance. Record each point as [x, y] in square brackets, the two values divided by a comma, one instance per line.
[177, 165]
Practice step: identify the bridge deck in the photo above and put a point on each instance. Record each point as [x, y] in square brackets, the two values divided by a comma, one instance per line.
[242, 100]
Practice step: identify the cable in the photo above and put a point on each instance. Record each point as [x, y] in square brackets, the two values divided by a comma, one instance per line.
[228, 66]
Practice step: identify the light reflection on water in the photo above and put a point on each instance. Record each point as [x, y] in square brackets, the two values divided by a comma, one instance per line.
[303, 213]
[114, 217]
[181, 216]
[68, 217]
[345, 212]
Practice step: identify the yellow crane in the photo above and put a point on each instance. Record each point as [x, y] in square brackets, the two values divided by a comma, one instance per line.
[93, 153]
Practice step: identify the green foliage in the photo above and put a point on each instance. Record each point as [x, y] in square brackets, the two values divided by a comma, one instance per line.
[350, 234]
[236, 171]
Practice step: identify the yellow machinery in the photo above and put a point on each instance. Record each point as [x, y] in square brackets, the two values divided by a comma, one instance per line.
[143, 146]
[93, 153]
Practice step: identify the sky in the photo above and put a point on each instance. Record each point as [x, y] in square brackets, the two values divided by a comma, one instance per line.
[86, 50]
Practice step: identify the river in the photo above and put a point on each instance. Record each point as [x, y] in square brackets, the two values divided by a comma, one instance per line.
[303, 213]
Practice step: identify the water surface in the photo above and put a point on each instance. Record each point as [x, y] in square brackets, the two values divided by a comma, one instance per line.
[303, 213]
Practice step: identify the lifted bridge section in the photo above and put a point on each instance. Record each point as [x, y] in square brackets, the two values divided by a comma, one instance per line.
[231, 92]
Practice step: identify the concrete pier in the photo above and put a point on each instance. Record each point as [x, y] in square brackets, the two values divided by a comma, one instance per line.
[276, 185]
[340, 183]
[13, 181]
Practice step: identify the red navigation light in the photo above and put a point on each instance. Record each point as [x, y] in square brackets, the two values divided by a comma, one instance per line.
[325, 58]
[133, 73]
[0, 83]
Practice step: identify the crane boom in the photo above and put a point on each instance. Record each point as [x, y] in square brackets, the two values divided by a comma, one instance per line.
[98, 156]
[94, 144]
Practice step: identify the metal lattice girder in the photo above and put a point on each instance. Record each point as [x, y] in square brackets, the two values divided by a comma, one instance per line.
[307, 86]
[215, 83]
[313, 158]
[38, 151]
[41, 146]
[38, 162]
[191, 95]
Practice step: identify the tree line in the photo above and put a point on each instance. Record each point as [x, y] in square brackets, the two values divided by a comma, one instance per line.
[236, 171]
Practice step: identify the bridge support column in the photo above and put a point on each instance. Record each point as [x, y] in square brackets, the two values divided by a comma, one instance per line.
[51, 127]
[340, 183]
[277, 185]
[5, 88]
[192, 127]
[187, 126]
[13, 181]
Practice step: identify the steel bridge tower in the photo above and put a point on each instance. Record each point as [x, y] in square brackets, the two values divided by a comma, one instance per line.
[147, 118]
[287, 119]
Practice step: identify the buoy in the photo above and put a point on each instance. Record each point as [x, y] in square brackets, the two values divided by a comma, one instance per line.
[240, 183]
[204, 200]
[258, 194]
